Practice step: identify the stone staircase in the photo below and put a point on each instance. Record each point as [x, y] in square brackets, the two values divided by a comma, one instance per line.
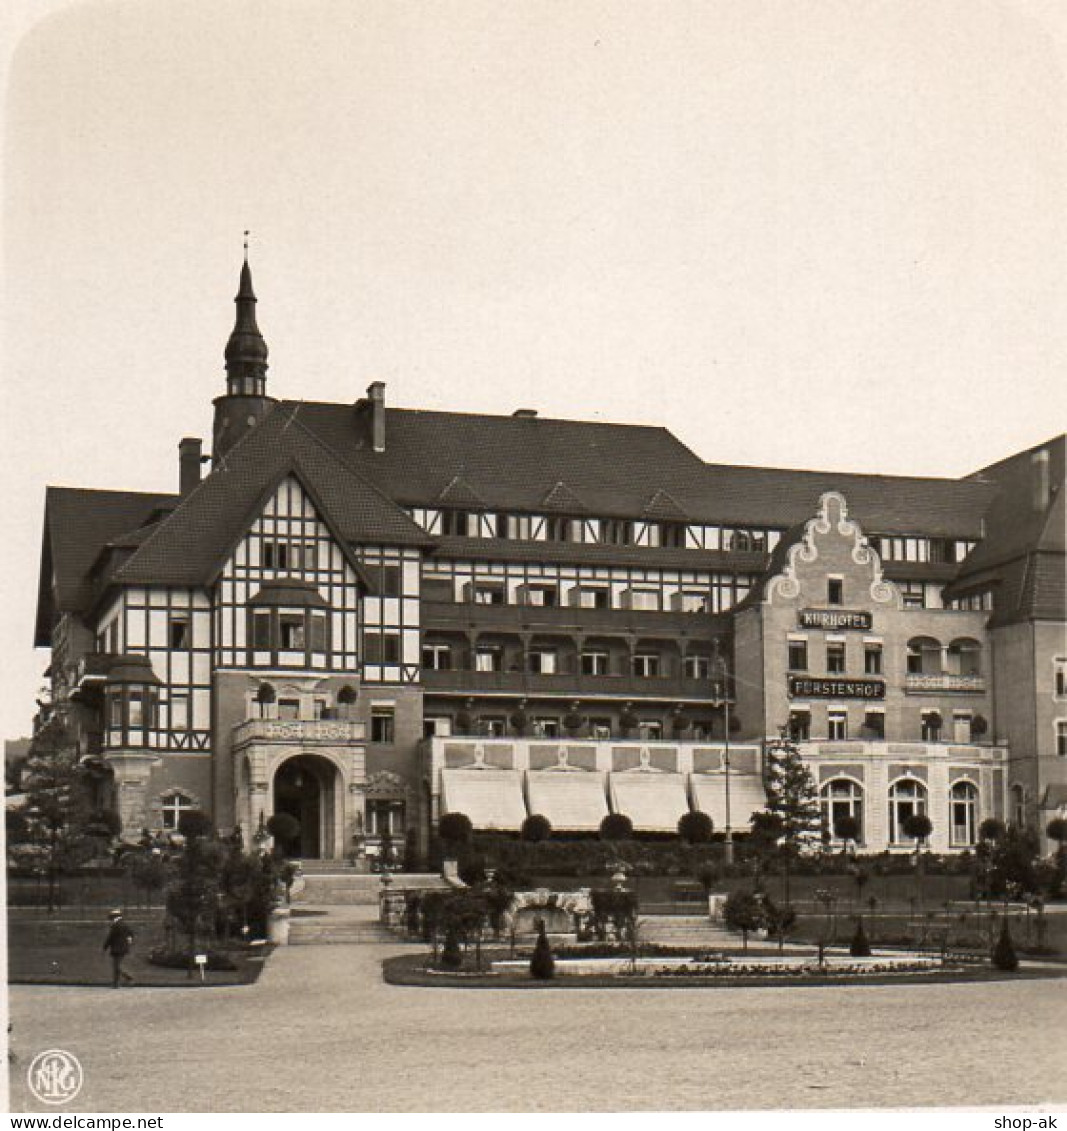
[351, 924]
[697, 931]
[328, 884]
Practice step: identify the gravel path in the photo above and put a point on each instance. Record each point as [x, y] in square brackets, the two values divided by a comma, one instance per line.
[321, 1032]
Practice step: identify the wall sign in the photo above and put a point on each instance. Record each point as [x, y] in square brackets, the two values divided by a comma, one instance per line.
[834, 619]
[804, 687]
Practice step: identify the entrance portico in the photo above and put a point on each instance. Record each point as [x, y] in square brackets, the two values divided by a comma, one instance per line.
[313, 770]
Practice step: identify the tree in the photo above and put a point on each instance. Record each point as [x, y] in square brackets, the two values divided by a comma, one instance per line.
[778, 920]
[193, 896]
[147, 871]
[744, 912]
[536, 828]
[695, 827]
[56, 810]
[455, 829]
[1012, 862]
[919, 827]
[616, 826]
[793, 798]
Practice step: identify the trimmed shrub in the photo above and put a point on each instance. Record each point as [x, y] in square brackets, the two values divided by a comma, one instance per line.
[991, 829]
[1057, 830]
[451, 956]
[536, 828]
[744, 912]
[542, 964]
[471, 868]
[847, 828]
[616, 826]
[979, 726]
[918, 825]
[455, 829]
[195, 825]
[860, 947]
[283, 827]
[695, 827]
[1004, 956]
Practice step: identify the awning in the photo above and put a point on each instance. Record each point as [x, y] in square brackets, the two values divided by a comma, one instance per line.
[573, 801]
[747, 796]
[654, 802]
[492, 799]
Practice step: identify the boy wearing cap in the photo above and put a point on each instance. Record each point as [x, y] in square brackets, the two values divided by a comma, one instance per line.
[117, 944]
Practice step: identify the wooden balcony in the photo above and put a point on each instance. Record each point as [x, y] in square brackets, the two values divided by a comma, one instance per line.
[568, 685]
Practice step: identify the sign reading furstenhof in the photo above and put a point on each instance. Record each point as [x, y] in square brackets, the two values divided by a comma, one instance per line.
[834, 619]
[806, 687]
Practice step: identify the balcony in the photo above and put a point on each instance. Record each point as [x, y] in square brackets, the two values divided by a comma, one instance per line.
[302, 731]
[462, 617]
[943, 683]
[568, 685]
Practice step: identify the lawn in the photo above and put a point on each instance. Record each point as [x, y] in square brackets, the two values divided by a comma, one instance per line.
[66, 949]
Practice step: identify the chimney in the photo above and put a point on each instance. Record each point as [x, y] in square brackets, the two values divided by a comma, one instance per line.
[376, 396]
[525, 413]
[190, 457]
[1042, 480]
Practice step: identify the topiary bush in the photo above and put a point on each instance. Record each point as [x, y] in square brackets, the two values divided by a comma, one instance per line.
[991, 829]
[455, 829]
[195, 825]
[542, 964]
[616, 826]
[918, 826]
[847, 828]
[451, 956]
[1004, 956]
[284, 827]
[695, 827]
[536, 829]
[859, 947]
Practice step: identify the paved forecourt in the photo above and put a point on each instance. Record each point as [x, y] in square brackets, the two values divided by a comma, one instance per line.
[321, 1031]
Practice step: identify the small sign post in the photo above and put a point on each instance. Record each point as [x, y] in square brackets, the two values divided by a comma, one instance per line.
[201, 962]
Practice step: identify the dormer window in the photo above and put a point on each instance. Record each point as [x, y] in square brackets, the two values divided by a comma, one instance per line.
[288, 624]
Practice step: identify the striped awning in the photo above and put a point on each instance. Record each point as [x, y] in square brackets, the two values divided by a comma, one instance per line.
[573, 801]
[492, 799]
[654, 802]
[747, 796]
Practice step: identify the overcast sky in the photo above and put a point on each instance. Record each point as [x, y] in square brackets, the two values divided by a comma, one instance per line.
[806, 234]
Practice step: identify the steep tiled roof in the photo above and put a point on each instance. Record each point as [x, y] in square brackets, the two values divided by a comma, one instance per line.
[78, 524]
[513, 463]
[190, 546]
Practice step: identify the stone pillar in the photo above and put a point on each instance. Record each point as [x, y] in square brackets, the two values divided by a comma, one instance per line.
[132, 770]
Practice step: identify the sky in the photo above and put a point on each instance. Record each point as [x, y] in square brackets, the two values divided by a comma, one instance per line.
[798, 233]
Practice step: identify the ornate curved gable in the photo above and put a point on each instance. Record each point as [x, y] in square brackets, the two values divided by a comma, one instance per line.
[832, 545]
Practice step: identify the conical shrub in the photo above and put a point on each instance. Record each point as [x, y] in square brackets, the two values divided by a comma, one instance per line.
[860, 947]
[1004, 956]
[451, 955]
[542, 964]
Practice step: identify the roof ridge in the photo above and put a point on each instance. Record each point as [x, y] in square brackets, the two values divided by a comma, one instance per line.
[113, 491]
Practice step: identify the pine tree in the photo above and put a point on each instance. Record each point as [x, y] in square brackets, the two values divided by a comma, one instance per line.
[792, 801]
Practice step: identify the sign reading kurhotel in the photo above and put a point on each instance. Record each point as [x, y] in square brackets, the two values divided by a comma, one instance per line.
[807, 687]
[834, 619]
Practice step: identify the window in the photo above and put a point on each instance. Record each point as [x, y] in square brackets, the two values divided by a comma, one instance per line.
[116, 713]
[437, 657]
[924, 656]
[800, 725]
[179, 711]
[382, 725]
[261, 632]
[291, 632]
[459, 523]
[842, 798]
[907, 798]
[320, 709]
[645, 600]
[835, 591]
[965, 657]
[488, 660]
[381, 649]
[692, 601]
[1059, 677]
[963, 810]
[646, 665]
[672, 534]
[835, 657]
[546, 728]
[587, 597]
[594, 663]
[1018, 806]
[961, 726]
[488, 593]
[1061, 737]
[874, 726]
[174, 806]
[837, 725]
[289, 709]
[617, 532]
[798, 655]
[385, 817]
[697, 667]
[931, 726]
[542, 596]
[180, 632]
[135, 701]
[436, 726]
[872, 659]
[914, 594]
[317, 622]
[543, 661]
[650, 730]
[389, 584]
[494, 726]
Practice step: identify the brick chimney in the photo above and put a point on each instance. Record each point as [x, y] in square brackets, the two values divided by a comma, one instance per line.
[190, 457]
[1042, 480]
[376, 396]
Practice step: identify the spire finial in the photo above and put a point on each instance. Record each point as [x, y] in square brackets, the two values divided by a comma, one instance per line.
[247, 233]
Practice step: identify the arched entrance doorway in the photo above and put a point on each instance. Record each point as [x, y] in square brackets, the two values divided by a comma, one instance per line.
[305, 787]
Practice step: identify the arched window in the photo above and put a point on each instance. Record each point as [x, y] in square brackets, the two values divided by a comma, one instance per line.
[965, 657]
[963, 814]
[842, 797]
[174, 805]
[924, 656]
[1018, 806]
[907, 797]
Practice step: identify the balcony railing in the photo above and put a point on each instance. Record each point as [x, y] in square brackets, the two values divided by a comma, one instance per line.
[299, 730]
[572, 685]
[563, 619]
[943, 683]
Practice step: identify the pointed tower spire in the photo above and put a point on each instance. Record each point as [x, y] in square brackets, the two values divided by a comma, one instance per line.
[246, 351]
[245, 401]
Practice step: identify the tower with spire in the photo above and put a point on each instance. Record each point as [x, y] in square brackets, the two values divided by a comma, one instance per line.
[245, 402]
